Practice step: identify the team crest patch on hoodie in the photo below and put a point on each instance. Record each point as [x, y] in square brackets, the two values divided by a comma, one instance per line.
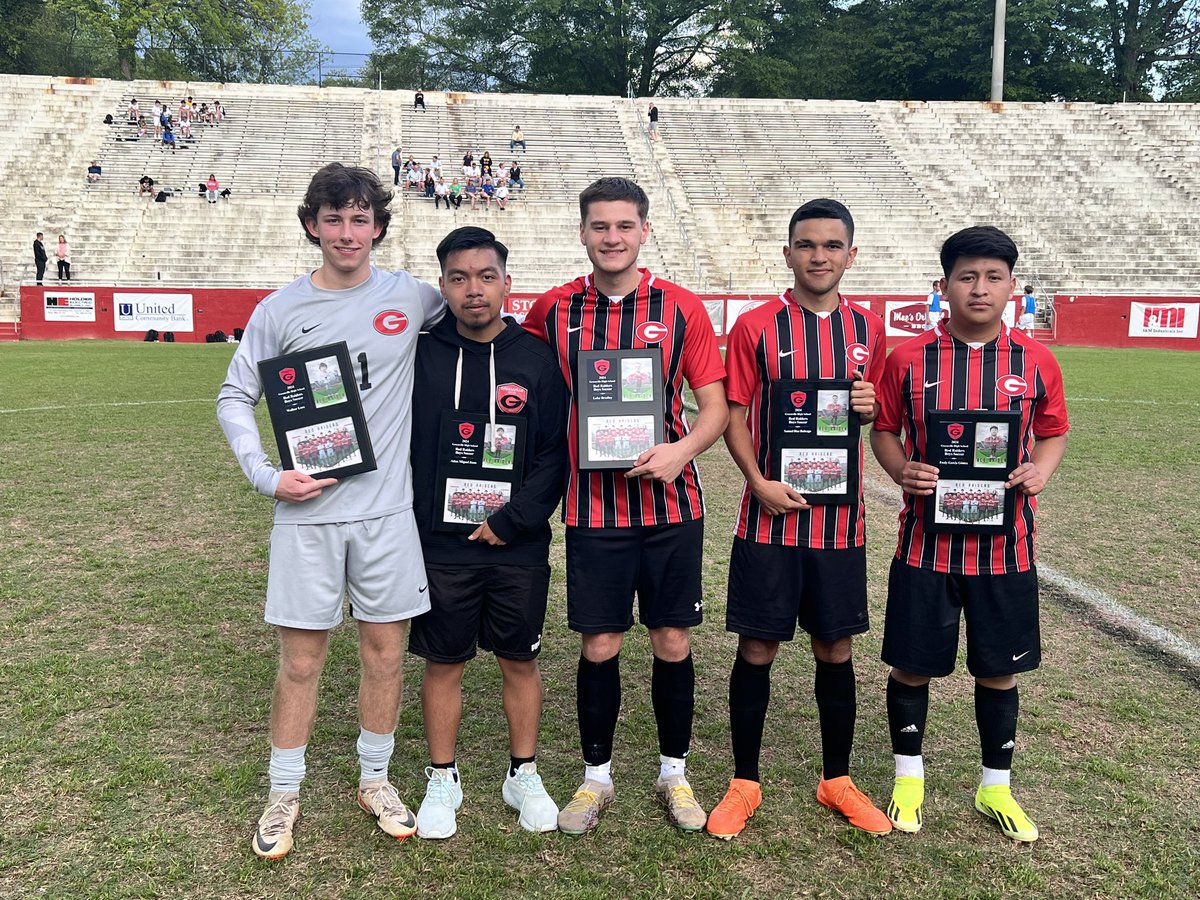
[511, 397]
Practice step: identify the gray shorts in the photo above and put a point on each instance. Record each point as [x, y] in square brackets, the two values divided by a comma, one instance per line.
[377, 562]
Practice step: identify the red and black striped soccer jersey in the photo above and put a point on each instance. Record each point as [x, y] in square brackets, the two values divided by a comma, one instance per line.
[782, 340]
[576, 317]
[937, 371]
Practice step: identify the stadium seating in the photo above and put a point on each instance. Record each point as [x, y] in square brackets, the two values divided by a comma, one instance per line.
[1099, 198]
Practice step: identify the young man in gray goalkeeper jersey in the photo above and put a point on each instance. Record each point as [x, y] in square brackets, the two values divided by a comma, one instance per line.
[331, 538]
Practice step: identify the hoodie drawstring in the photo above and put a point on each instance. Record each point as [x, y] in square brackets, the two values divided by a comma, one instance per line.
[458, 370]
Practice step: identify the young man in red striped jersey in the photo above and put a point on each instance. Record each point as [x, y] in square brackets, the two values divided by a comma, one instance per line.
[792, 561]
[973, 361]
[639, 531]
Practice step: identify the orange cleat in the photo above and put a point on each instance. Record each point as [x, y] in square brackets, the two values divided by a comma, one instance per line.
[840, 795]
[735, 809]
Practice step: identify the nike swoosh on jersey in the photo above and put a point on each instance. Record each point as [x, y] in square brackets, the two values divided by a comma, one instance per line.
[309, 328]
[1017, 656]
[930, 384]
[783, 353]
[573, 330]
[423, 588]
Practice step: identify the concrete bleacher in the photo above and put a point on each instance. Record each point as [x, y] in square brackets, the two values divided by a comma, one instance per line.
[1099, 198]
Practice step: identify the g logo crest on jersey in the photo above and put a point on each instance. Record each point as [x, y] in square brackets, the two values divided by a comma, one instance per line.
[651, 332]
[391, 321]
[858, 354]
[1012, 385]
[511, 397]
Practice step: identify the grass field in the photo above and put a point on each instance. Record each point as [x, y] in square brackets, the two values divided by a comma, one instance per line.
[136, 674]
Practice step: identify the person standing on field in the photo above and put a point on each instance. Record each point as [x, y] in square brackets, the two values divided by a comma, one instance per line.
[792, 562]
[332, 539]
[487, 587]
[638, 532]
[972, 361]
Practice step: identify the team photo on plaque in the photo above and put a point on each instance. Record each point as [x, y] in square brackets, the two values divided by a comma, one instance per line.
[620, 406]
[316, 412]
[815, 438]
[974, 451]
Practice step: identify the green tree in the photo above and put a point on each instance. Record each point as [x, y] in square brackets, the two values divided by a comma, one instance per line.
[563, 46]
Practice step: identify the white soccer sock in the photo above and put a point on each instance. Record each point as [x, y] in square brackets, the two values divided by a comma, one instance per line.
[601, 773]
[286, 769]
[671, 765]
[994, 776]
[909, 766]
[374, 754]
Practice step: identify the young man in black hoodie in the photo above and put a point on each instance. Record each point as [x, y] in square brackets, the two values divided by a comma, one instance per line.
[489, 402]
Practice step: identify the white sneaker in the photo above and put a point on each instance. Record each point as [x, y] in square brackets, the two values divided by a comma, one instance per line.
[443, 795]
[525, 793]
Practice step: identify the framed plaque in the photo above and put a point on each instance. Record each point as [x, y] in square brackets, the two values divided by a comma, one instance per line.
[815, 439]
[316, 412]
[974, 451]
[479, 468]
[620, 403]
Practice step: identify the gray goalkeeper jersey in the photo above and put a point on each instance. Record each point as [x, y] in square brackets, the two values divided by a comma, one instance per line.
[379, 320]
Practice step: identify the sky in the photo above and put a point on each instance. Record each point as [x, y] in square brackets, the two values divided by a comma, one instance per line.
[338, 25]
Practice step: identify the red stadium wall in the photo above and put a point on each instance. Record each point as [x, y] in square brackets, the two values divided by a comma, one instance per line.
[1169, 323]
[57, 313]
[78, 311]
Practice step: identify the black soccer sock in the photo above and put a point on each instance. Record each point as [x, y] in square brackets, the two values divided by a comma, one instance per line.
[673, 694]
[837, 707]
[996, 715]
[515, 762]
[598, 702]
[749, 696]
[907, 709]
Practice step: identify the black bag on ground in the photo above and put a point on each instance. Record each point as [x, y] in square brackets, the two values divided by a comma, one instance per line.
[169, 337]
[151, 336]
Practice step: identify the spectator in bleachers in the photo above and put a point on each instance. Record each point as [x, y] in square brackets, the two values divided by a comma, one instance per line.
[653, 122]
[396, 163]
[168, 139]
[517, 139]
[93, 173]
[455, 194]
[501, 193]
[156, 112]
[212, 186]
[503, 169]
[514, 176]
[472, 192]
[429, 182]
[435, 166]
[141, 127]
[468, 161]
[63, 255]
[203, 117]
[218, 112]
[485, 163]
[486, 190]
[146, 185]
[419, 100]
[39, 257]
[133, 114]
[441, 191]
[416, 177]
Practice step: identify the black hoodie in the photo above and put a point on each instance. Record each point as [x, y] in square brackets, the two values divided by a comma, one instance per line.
[521, 360]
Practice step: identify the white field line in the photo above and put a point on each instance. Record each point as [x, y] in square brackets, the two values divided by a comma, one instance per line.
[25, 409]
[1112, 613]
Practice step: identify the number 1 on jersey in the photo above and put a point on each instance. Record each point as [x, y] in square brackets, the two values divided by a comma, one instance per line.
[362, 364]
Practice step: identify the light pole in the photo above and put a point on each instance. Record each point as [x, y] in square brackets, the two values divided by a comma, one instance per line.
[998, 53]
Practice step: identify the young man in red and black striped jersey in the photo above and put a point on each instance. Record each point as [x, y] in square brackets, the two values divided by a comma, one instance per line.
[792, 561]
[639, 531]
[973, 361]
